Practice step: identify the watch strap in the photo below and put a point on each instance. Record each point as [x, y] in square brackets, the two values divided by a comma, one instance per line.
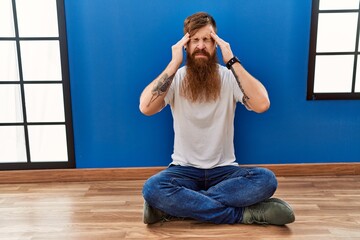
[232, 61]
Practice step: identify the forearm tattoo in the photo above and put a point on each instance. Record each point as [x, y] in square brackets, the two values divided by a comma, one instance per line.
[245, 98]
[161, 86]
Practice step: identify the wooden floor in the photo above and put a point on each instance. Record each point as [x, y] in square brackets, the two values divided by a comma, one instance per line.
[325, 207]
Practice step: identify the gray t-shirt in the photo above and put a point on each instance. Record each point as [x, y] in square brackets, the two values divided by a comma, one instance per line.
[204, 132]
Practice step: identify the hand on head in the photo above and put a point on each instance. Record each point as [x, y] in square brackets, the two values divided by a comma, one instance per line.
[177, 49]
[224, 47]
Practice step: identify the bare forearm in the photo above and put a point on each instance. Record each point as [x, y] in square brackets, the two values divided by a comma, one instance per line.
[152, 98]
[255, 95]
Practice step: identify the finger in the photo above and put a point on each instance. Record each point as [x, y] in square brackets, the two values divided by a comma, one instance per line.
[182, 40]
[215, 37]
[185, 39]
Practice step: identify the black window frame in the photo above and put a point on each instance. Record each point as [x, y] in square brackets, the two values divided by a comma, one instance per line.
[62, 38]
[311, 95]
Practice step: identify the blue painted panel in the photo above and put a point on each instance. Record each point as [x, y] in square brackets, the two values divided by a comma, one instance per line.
[117, 47]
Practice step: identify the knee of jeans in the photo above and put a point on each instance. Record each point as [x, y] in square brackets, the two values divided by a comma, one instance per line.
[150, 189]
[272, 182]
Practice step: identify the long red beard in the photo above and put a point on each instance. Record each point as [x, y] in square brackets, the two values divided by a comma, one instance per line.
[202, 79]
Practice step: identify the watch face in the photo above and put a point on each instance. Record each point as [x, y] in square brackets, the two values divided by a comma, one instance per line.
[231, 62]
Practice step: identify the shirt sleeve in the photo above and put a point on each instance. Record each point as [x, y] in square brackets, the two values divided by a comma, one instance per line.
[238, 94]
[174, 87]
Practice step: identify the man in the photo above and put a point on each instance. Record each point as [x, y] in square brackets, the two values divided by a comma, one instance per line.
[204, 182]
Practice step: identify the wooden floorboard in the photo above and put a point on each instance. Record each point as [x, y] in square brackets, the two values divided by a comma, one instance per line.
[326, 207]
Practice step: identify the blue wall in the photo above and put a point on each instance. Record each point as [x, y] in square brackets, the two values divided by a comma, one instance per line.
[117, 47]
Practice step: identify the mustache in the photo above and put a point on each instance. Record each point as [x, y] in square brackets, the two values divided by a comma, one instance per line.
[202, 51]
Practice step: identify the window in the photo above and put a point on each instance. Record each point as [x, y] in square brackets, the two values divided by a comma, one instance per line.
[35, 116]
[334, 64]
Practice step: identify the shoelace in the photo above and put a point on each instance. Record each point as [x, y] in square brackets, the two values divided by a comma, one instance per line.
[257, 215]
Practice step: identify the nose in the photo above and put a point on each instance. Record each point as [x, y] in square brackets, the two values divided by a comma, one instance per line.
[201, 45]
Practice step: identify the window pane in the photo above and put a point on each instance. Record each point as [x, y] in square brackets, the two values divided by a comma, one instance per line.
[37, 18]
[44, 103]
[336, 32]
[333, 73]
[41, 60]
[48, 143]
[10, 104]
[338, 4]
[12, 144]
[8, 61]
[6, 19]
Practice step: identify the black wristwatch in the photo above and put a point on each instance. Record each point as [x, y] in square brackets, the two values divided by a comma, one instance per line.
[232, 61]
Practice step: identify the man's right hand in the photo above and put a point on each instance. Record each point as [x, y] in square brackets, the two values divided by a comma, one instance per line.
[152, 98]
[177, 49]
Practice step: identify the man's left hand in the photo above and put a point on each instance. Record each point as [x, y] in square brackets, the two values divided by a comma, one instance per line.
[224, 47]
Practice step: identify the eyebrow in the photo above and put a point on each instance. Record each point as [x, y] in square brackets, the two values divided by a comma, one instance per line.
[206, 36]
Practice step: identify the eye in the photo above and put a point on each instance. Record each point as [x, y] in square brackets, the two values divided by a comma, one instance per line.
[208, 40]
[194, 41]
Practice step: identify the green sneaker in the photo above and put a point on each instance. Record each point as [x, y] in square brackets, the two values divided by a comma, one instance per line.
[152, 215]
[271, 211]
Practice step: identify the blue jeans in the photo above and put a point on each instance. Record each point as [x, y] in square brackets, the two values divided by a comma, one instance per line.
[217, 195]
